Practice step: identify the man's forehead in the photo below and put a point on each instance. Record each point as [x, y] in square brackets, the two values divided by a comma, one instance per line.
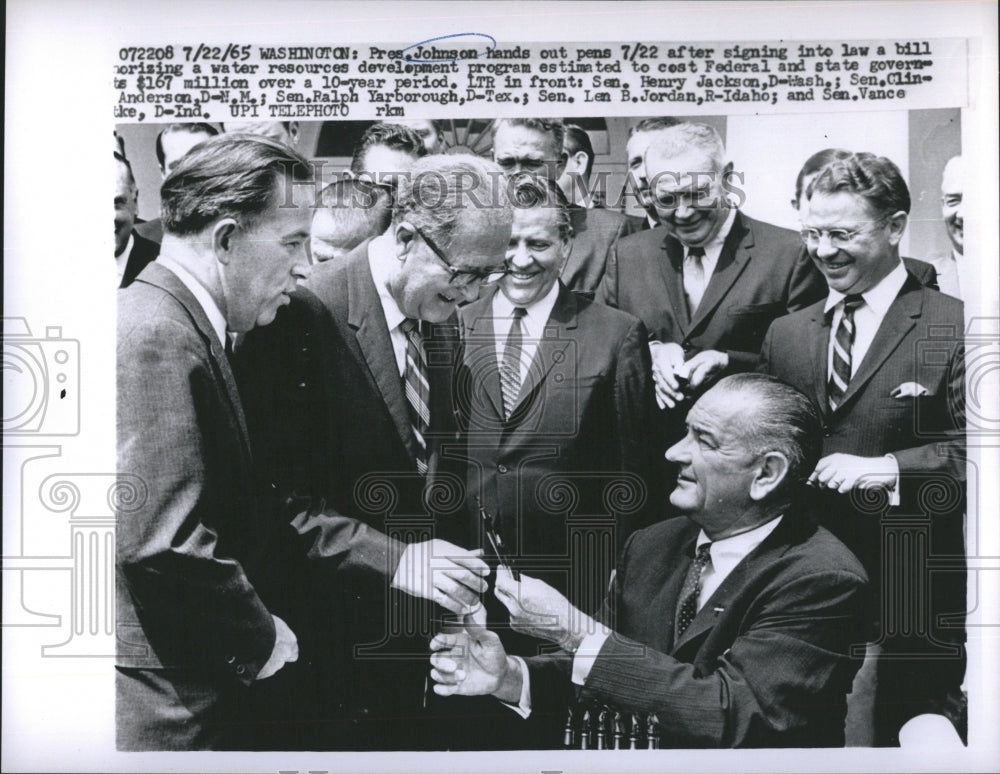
[525, 138]
[839, 207]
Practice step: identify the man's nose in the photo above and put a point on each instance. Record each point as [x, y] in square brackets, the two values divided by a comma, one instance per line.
[825, 247]
[677, 452]
[302, 269]
[519, 256]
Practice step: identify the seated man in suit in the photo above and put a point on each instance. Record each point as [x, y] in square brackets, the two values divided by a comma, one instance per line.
[362, 362]
[205, 569]
[882, 355]
[731, 627]
[353, 211]
[709, 280]
[556, 397]
[132, 251]
[923, 271]
[535, 145]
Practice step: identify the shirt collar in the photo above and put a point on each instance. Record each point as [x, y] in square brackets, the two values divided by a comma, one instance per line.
[715, 243]
[380, 261]
[121, 260]
[201, 294]
[537, 311]
[880, 297]
[728, 552]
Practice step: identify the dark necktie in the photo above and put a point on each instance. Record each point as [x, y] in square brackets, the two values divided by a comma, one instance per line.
[687, 607]
[417, 390]
[694, 277]
[228, 347]
[510, 368]
[843, 342]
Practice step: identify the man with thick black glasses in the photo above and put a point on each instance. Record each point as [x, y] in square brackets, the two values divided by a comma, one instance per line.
[365, 356]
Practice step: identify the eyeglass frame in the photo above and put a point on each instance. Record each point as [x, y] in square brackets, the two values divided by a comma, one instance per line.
[833, 234]
[478, 276]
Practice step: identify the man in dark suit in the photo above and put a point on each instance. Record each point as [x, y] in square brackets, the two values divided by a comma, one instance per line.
[883, 357]
[132, 251]
[363, 362]
[205, 569]
[535, 146]
[729, 628]
[709, 281]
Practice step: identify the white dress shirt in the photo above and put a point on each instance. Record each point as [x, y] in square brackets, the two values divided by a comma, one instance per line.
[947, 273]
[381, 261]
[695, 282]
[726, 554]
[532, 325]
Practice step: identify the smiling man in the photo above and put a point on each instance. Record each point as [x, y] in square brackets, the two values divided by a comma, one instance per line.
[882, 356]
[730, 627]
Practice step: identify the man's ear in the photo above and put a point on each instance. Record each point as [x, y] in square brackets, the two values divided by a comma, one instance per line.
[771, 472]
[897, 225]
[223, 234]
[404, 234]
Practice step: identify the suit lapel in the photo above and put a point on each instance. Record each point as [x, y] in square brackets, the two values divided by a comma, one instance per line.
[167, 281]
[671, 268]
[733, 258]
[818, 335]
[366, 317]
[898, 321]
[480, 352]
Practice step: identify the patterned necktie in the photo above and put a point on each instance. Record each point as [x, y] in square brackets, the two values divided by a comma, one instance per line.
[687, 608]
[843, 342]
[694, 277]
[417, 390]
[510, 367]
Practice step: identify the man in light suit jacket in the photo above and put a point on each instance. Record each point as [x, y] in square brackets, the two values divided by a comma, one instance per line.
[535, 146]
[731, 627]
[882, 355]
[204, 568]
[340, 357]
[710, 279]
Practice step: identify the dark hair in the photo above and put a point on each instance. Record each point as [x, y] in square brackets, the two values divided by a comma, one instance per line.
[874, 178]
[783, 419]
[814, 164]
[553, 127]
[360, 209]
[196, 128]
[528, 191]
[577, 140]
[120, 158]
[393, 136]
[230, 175]
[653, 124]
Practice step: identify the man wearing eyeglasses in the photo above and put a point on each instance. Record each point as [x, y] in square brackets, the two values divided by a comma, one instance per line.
[882, 356]
[535, 146]
[365, 356]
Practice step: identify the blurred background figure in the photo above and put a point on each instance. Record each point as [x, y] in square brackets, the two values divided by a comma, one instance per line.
[353, 210]
[286, 132]
[575, 179]
[172, 143]
[386, 151]
[639, 139]
[132, 251]
[951, 210]
[428, 130]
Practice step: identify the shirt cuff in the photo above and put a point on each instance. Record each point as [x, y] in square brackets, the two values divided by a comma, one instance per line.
[523, 707]
[583, 659]
[894, 492]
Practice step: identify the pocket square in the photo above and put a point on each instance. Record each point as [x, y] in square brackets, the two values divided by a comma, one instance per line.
[908, 390]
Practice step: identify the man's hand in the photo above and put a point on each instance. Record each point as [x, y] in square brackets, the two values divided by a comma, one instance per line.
[469, 663]
[539, 610]
[667, 359]
[845, 472]
[441, 571]
[705, 366]
[286, 649]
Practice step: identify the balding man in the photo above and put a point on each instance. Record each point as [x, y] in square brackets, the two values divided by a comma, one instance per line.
[730, 627]
[952, 212]
[535, 146]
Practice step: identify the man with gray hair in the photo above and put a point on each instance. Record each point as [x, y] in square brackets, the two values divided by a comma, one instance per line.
[535, 146]
[731, 627]
[709, 280]
[364, 359]
[947, 265]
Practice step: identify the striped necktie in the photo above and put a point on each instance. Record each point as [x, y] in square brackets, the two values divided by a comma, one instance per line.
[843, 342]
[687, 607]
[417, 390]
[510, 367]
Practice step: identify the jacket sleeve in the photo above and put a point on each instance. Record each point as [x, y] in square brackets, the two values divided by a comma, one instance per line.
[607, 291]
[769, 682]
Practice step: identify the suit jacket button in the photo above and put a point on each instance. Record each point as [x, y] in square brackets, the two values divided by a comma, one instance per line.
[501, 468]
[230, 659]
[827, 432]
[686, 346]
[241, 670]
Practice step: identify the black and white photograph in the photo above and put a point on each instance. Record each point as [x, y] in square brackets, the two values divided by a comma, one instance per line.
[607, 387]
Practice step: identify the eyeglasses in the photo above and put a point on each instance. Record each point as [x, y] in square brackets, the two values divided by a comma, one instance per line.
[839, 237]
[464, 277]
